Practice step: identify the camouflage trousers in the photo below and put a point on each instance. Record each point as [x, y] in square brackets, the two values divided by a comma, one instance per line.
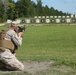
[11, 62]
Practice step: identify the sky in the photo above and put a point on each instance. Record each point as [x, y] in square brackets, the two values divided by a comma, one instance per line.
[67, 6]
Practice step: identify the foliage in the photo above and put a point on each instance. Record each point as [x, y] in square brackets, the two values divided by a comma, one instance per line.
[26, 8]
[11, 11]
[2, 11]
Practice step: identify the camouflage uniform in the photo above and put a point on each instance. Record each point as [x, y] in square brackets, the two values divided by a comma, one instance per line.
[12, 63]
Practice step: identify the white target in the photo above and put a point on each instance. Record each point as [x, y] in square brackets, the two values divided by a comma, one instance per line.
[57, 20]
[68, 20]
[37, 20]
[28, 21]
[47, 20]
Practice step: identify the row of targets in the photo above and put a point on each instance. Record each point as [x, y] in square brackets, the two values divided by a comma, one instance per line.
[72, 20]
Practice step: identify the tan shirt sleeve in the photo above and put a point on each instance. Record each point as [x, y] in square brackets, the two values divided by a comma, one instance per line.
[11, 34]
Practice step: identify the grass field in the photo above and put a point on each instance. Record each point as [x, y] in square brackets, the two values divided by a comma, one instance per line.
[50, 43]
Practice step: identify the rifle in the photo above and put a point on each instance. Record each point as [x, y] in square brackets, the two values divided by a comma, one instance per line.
[21, 29]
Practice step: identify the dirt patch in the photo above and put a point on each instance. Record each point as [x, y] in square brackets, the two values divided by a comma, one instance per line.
[34, 67]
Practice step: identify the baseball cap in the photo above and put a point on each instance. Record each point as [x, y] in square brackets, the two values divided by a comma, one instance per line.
[15, 23]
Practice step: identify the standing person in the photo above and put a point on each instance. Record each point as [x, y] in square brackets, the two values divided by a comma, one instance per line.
[12, 40]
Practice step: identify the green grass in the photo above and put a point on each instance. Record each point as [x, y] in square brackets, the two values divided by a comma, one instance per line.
[49, 43]
[45, 43]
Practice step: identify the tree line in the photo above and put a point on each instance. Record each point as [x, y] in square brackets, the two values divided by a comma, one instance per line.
[25, 8]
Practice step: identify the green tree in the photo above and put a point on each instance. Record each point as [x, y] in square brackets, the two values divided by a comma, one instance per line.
[33, 9]
[11, 11]
[31, 12]
[22, 7]
[46, 10]
[2, 11]
[39, 8]
[27, 8]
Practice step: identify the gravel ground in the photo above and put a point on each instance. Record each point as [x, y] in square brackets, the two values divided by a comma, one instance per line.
[34, 67]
